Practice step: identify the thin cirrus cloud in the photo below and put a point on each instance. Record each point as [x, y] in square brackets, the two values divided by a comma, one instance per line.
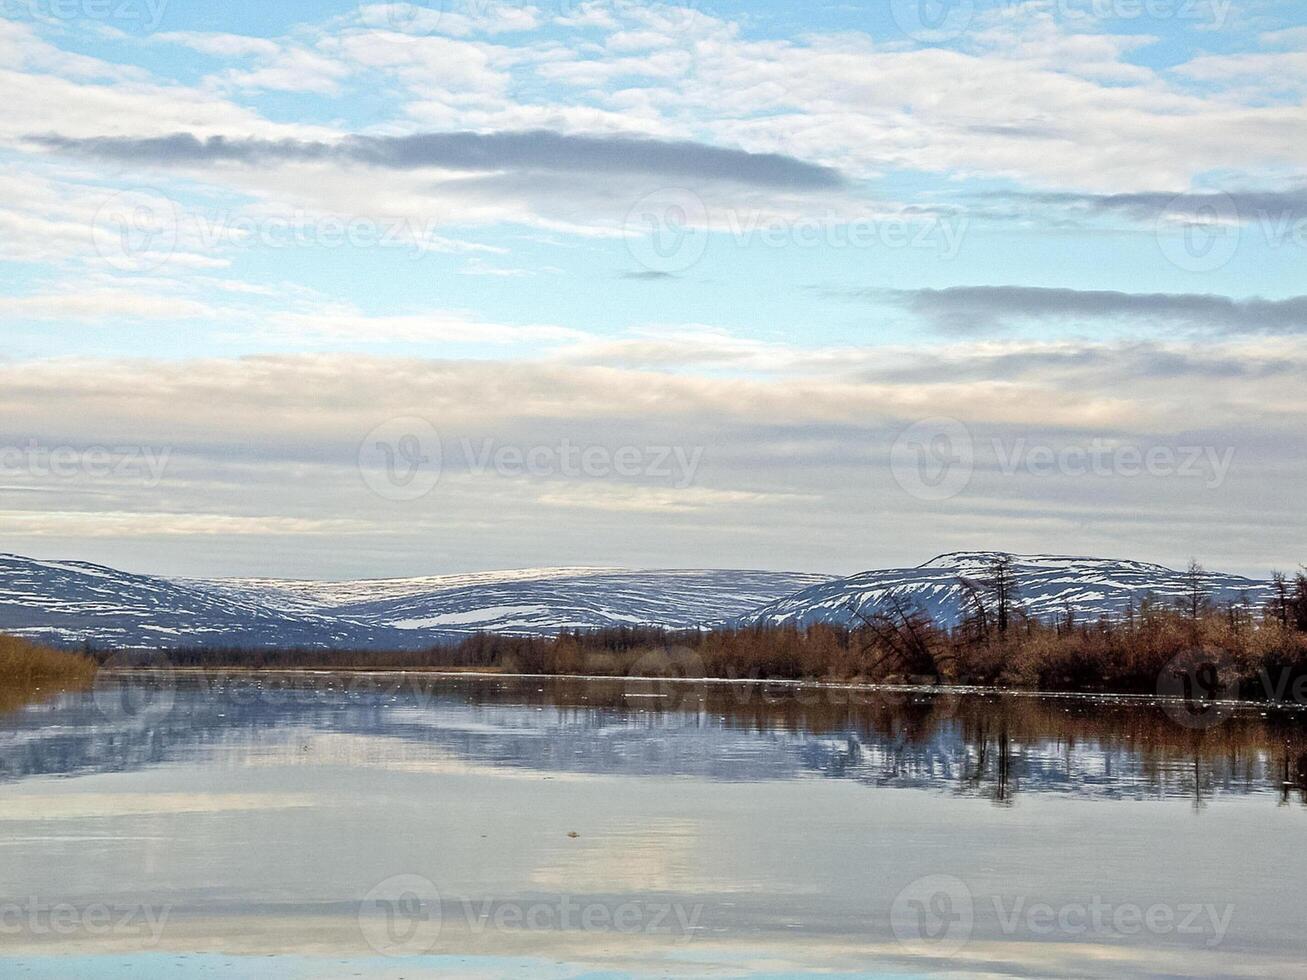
[967, 309]
[527, 151]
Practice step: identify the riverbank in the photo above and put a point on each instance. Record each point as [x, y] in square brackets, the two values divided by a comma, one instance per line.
[1211, 656]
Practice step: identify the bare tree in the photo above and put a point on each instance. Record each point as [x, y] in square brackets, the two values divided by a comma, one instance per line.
[1002, 585]
[1298, 604]
[1280, 603]
[1196, 597]
[978, 621]
[903, 634]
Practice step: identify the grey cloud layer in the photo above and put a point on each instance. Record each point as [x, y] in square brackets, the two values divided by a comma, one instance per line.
[786, 442]
[964, 309]
[531, 151]
[1149, 205]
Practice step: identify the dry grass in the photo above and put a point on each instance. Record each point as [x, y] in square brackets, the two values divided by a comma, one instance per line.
[29, 672]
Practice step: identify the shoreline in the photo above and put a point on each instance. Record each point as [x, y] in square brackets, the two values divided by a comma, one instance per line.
[955, 690]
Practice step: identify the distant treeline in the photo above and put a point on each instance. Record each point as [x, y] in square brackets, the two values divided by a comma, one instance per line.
[1257, 653]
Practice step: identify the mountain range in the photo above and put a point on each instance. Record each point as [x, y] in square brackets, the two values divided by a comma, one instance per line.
[1047, 586]
[71, 603]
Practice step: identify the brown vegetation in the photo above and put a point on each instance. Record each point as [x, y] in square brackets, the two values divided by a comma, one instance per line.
[29, 672]
[1254, 653]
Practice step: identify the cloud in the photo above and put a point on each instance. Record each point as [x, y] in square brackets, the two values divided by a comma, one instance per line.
[266, 449]
[531, 151]
[1245, 204]
[964, 309]
[220, 45]
[73, 303]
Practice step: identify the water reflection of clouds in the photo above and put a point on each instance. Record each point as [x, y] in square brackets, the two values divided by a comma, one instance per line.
[79, 806]
[658, 855]
[369, 752]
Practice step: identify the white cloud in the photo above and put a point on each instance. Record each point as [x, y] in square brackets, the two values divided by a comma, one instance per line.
[221, 45]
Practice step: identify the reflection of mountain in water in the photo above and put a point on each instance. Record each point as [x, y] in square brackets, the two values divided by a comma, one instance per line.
[994, 747]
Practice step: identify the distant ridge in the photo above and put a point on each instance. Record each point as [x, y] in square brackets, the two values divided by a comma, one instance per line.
[1047, 586]
[71, 603]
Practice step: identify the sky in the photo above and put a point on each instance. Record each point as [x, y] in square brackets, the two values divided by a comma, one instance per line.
[338, 290]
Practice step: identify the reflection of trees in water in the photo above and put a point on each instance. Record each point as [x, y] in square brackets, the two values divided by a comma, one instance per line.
[981, 745]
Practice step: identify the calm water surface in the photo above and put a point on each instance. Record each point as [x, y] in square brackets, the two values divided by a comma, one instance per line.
[405, 825]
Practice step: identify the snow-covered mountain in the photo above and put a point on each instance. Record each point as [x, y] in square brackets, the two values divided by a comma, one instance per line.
[1046, 586]
[75, 602]
[70, 602]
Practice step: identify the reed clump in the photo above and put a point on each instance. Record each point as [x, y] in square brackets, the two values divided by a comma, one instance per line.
[31, 672]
